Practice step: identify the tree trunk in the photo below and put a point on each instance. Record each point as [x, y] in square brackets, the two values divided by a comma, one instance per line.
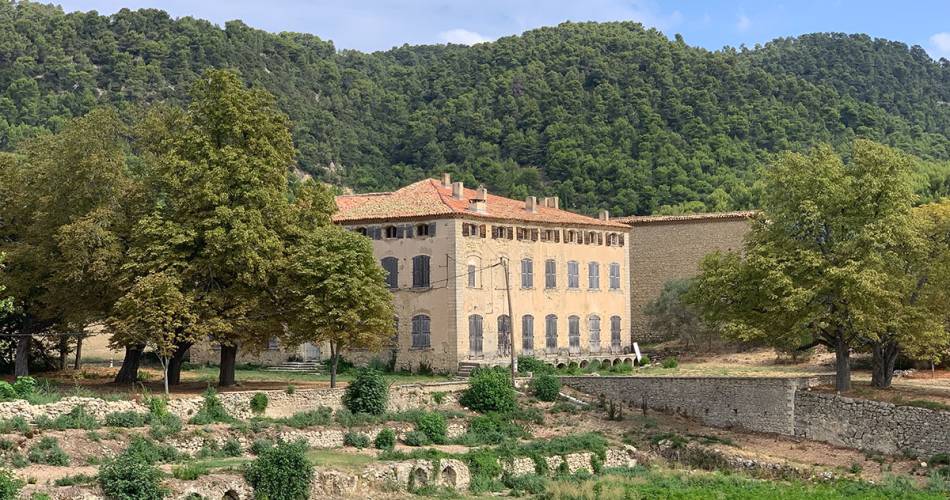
[885, 355]
[129, 372]
[334, 359]
[175, 362]
[226, 369]
[21, 360]
[77, 363]
[63, 352]
[842, 365]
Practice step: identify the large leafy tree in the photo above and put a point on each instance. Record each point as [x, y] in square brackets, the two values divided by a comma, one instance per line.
[219, 170]
[671, 316]
[335, 292]
[815, 268]
[64, 222]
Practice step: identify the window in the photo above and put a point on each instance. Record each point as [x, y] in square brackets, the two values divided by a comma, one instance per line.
[593, 275]
[550, 274]
[391, 266]
[392, 232]
[273, 344]
[573, 275]
[569, 236]
[472, 272]
[475, 335]
[615, 331]
[504, 334]
[574, 333]
[527, 333]
[422, 230]
[420, 332]
[420, 271]
[614, 276]
[593, 331]
[362, 230]
[527, 273]
[550, 333]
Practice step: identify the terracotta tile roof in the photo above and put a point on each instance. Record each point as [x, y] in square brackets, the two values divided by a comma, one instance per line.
[428, 198]
[634, 220]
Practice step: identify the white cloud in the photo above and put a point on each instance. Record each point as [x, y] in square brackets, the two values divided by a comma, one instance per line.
[462, 36]
[941, 43]
[743, 23]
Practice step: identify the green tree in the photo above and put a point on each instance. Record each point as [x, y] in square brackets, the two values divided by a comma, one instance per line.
[336, 293]
[154, 313]
[6, 303]
[671, 316]
[815, 269]
[220, 173]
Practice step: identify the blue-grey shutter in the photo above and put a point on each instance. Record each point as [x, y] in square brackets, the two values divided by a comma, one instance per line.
[377, 233]
[432, 229]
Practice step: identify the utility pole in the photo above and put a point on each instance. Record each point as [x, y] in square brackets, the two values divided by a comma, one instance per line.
[511, 322]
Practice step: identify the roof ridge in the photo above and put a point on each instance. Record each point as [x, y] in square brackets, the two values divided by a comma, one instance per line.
[441, 196]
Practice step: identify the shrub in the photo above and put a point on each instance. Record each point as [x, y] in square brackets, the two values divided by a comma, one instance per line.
[356, 439]
[290, 390]
[368, 393]
[259, 403]
[9, 485]
[282, 472]
[163, 427]
[385, 439]
[321, 416]
[74, 480]
[7, 392]
[211, 410]
[533, 365]
[670, 363]
[489, 390]
[231, 448]
[77, 418]
[546, 387]
[47, 451]
[130, 477]
[127, 419]
[438, 397]
[157, 406]
[261, 445]
[17, 424]
[644, 360]
[485, 468]
[190, 471]
[147, 450]
[415, 438]
[24, 386]
[492, 428]
[531, 484]
[433, 425]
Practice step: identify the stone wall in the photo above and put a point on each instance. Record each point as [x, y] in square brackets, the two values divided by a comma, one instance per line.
[757, 404]
[783, 406]
[871, 425]
[667, 248]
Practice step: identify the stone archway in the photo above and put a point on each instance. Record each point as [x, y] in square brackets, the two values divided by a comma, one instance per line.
[584, 364]
[420, 477]
[449, 477]
[231, 495]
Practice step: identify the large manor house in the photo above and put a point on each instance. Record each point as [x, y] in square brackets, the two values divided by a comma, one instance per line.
[577, 285]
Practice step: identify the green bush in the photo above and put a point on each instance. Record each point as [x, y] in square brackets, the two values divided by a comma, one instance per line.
[530, 484]
[190, 471]
[163, 427]
[356, 439]
[438, 397]
[546, 387]
[75, 480]
[9, 485]
[434, 426]
[368, 393]
[17, 424]
[415, 438]
[77, 418]
[533, 365]
[211, 410]
[321, 416]
[157, 406]
[492, 428]
[231, 448]
[485, 468]
[644, 360]
[259, 403]
[24, 386]
[7, 392]
[291, 389]
[127, 419]
[47, 451]
[281, 473]
[130, 477]
[261, 445]
[385, 439]
[149, 451]
[489, 390]
[670, 363]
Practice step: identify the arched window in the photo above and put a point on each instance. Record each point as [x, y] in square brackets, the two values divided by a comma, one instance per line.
[527, 333]
[593, 275]
[420, 271]
[475, 335]
[421, 337]
[593, 332]
[574, 333]
[615, 331]
[550, 333]
[504, 334]
[391, 266]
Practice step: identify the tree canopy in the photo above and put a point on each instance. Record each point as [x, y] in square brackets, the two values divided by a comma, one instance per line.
[605, 115]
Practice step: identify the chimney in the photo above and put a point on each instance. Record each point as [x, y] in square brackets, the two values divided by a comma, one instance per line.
[458, 191]
[481, 193]
[552, 202]
[531, 204]
[446, 180]
[604, 215]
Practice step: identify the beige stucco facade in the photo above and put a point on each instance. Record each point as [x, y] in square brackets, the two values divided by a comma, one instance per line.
[668, 248]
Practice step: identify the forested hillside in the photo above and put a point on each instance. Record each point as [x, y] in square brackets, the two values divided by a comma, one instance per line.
[605, 115]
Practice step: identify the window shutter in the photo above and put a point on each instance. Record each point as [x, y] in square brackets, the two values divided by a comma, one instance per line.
[432, 229]
[377, 233]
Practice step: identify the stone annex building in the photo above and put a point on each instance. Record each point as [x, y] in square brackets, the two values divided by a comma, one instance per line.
[579, 285]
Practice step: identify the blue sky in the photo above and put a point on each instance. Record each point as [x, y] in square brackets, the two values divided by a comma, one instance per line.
[381, 24]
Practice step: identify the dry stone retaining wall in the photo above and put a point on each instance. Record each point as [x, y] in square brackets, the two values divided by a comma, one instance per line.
[783, 406]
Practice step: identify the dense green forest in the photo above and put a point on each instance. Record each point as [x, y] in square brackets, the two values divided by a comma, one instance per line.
[605, 115]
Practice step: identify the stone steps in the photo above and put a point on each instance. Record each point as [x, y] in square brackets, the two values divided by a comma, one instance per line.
[297, 367]
[465, 369]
